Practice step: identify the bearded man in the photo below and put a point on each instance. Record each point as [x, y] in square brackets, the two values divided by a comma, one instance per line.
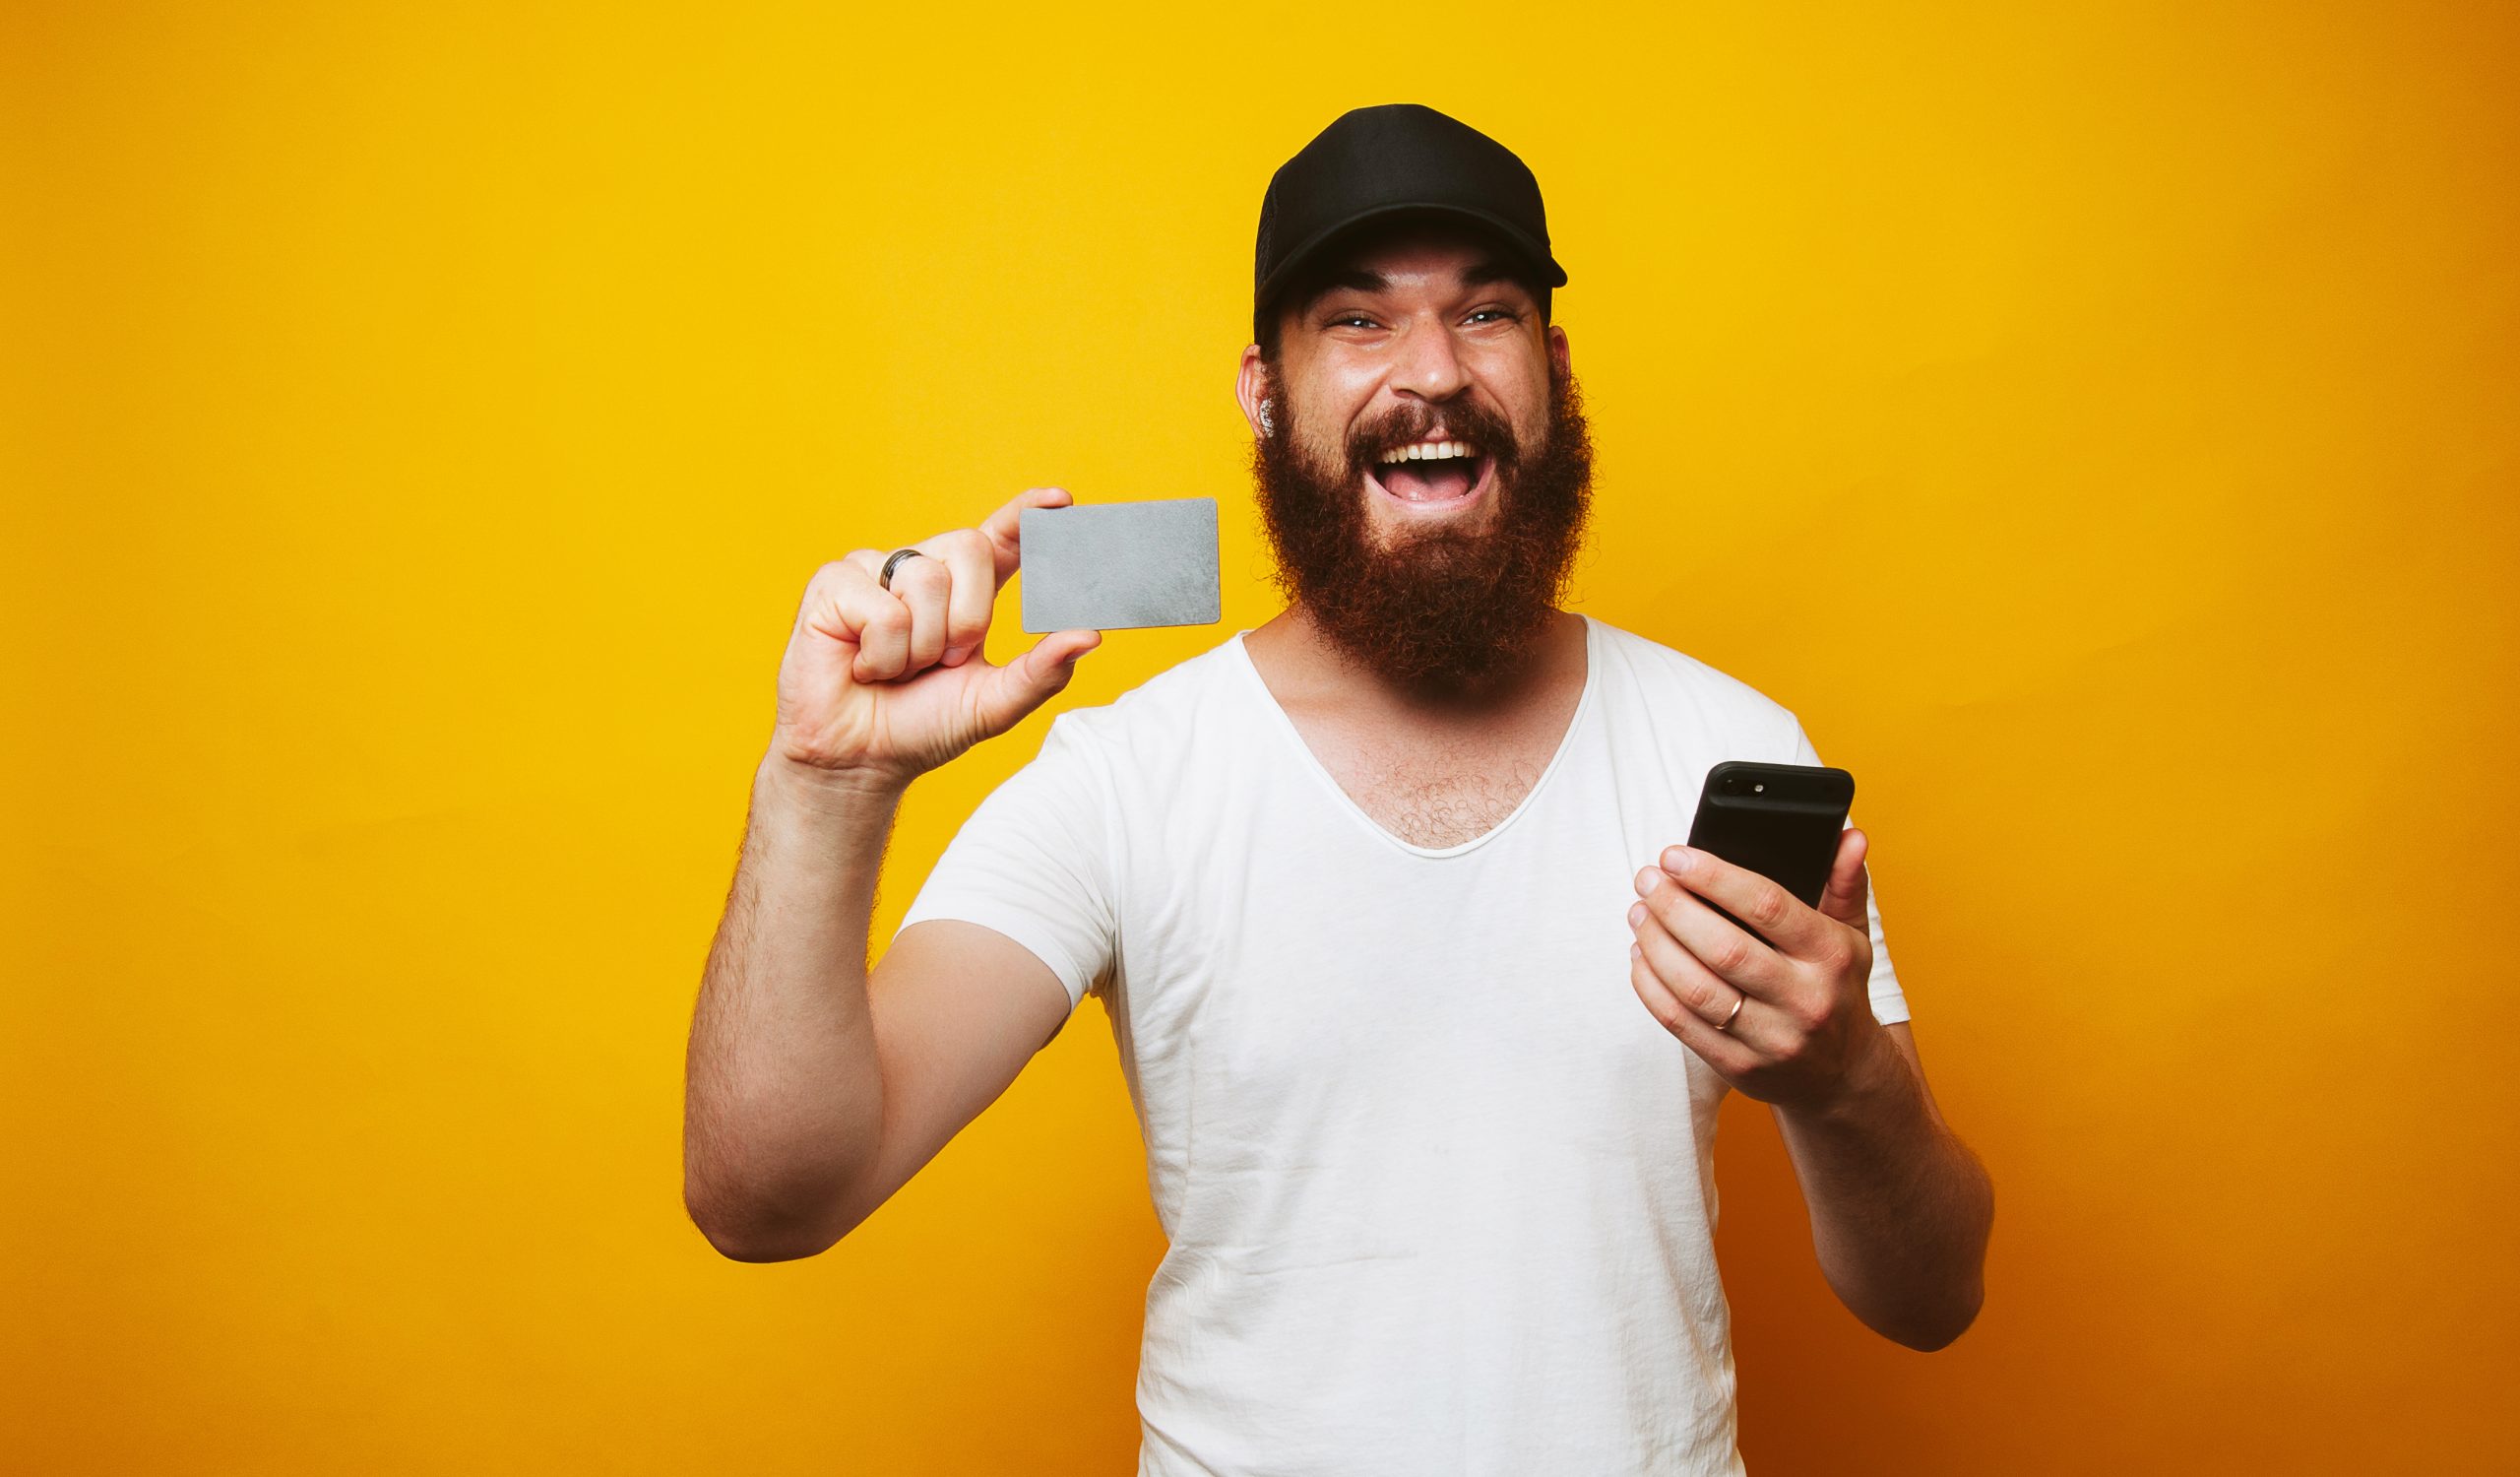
[1424, 1014]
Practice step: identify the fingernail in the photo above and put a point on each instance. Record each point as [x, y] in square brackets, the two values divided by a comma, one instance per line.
[1636, 915]
[1648, 879]
[1676, 859]
[954, 655]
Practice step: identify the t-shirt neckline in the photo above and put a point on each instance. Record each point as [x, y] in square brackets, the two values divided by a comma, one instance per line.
[1321, 774]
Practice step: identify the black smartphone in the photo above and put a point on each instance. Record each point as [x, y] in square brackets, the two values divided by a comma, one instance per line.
[1779, 821]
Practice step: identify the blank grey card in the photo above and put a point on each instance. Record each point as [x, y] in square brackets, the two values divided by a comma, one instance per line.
[1115, 565]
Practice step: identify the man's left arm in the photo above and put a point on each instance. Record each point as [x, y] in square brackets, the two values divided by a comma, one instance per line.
[1900, 1208]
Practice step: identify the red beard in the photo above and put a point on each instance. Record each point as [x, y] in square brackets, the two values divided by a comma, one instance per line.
[1441, 609]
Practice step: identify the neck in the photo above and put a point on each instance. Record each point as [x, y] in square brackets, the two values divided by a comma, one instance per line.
[1305, 666]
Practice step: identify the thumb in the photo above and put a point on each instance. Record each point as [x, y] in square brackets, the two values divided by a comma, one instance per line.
[1007, 693]
[1845, 897]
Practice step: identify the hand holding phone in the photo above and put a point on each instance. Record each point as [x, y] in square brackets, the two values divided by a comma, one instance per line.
[1788, 1024]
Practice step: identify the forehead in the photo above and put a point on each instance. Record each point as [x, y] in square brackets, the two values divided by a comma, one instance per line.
[1426, 255]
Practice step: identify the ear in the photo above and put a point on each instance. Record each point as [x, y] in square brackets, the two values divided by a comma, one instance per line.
[1251, 388]
[1559, 358]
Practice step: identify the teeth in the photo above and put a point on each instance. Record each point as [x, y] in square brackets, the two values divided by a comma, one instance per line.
[1429, 451]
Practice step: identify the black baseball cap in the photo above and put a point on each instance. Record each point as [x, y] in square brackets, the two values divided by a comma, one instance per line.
[1377, 162]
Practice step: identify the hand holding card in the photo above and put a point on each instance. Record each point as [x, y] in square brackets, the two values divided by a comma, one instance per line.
[885, 677]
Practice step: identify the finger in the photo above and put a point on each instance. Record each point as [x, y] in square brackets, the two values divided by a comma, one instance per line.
[1004, 527]
[1686, 975]
[1783, 922]
[1736, 956]
[1003, 695]
[971, 564]
[922, 585]
[1717, 1049]
[971, 572]
[1849, 882]
[1655, 992]
[842, 602]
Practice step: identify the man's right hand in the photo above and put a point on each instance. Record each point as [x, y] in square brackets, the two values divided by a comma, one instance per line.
[878, 687]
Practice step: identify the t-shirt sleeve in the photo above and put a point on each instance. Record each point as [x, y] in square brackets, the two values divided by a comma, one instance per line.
[1889, 1002]
[1034, 862]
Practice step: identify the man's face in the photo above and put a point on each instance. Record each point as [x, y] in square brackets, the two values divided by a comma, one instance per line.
[1424, 464]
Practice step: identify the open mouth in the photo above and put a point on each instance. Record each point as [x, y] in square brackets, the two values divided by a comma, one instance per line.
[1435, 475]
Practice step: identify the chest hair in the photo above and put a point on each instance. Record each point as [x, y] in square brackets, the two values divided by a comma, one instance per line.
[1438, 805]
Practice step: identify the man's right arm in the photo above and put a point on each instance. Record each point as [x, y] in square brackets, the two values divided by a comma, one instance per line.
[812, 1091]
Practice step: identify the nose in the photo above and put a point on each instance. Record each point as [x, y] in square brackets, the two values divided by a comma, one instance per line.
[1427, 365]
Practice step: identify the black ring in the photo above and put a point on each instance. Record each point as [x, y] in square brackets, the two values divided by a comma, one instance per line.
[893, 563]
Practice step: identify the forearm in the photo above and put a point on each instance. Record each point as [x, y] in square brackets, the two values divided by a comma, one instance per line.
[1900, 1208]
[783, 1104]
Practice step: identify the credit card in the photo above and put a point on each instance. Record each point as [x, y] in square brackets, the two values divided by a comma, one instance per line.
[1109, 567]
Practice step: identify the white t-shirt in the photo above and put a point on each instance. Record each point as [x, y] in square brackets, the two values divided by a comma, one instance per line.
[1437, 1185]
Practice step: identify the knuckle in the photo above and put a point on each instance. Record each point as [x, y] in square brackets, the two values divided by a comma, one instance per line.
[1730, 955]
[1766, 907]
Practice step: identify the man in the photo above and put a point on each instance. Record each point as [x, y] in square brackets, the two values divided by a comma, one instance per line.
[1425, 1016]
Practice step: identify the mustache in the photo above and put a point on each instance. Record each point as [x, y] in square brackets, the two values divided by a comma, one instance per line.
[1415, 420]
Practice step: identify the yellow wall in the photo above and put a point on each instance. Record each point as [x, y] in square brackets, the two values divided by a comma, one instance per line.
[2099, 425]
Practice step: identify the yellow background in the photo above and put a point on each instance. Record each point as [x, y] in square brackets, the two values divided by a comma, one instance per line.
[2097, 422]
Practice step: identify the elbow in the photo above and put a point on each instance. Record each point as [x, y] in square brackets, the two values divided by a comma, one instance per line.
[759, 1200]
[1952, 1315]
[741, 1233]
[1927, 1335]
[763, 1246]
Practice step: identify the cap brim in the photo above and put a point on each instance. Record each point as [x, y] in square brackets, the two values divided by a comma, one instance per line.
[1531, 253]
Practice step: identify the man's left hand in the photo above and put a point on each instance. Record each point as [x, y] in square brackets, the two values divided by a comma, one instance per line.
[1788, 1021]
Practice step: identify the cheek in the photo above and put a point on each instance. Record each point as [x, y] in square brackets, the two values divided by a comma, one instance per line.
[1324, 426]
[1331, 399]
[1532, 415]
